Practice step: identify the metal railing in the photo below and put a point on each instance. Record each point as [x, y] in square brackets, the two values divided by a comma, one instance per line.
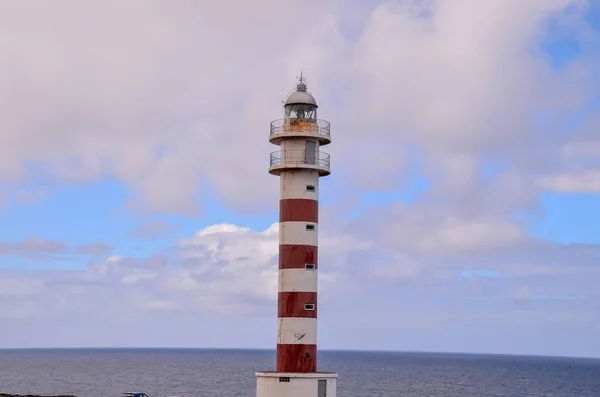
[300, 157]
[285, 126]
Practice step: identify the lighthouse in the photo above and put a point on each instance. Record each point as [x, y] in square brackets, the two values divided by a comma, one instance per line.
[299, 163]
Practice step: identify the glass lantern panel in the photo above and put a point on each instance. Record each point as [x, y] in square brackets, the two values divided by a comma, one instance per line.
[302, 112]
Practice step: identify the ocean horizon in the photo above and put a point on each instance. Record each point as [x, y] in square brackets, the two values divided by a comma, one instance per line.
[258, 349]
[229, 372]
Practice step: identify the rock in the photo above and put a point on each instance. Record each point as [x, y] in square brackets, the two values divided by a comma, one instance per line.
[32, 395]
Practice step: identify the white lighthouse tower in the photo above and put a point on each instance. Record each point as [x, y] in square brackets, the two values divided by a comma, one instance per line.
[299, 164]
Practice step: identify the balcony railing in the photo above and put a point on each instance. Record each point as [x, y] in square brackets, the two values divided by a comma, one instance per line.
[294, 126]
[299, 157]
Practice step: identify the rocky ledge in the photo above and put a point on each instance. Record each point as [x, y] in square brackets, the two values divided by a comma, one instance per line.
[31, 395]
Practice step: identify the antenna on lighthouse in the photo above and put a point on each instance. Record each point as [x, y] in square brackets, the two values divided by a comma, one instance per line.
[299, 86]
[302, 79]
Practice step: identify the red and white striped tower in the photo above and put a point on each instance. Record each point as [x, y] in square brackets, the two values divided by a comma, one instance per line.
[299, 164]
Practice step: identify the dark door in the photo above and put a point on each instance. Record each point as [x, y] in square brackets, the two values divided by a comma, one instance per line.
[322, 389]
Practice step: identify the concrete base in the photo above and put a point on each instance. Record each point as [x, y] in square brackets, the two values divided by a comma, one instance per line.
[295, 384]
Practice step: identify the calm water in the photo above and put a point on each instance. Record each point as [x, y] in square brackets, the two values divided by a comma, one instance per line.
[228, 373]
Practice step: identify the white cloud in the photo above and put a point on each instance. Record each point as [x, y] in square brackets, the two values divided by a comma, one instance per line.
[153, 230]
[221, 268]
[587, 181]
[168, 95]
[430, 230]
[174, 98]
[226, 276]
[86, 100]
[19, 286]
[229, 265]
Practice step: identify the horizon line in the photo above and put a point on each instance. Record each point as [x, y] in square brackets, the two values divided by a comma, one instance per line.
[424, 352]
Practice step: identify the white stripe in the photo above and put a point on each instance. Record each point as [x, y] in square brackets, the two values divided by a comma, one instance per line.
[297, 331]
[297, 234]
[298, 280]
[293, 184]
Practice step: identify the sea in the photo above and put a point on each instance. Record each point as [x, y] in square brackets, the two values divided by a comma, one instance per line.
[230, 373]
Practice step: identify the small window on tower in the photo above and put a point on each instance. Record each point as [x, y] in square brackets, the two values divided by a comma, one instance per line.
[310, 188]
[310, 266]
[309, 306]
[310, 227]
[284, 379]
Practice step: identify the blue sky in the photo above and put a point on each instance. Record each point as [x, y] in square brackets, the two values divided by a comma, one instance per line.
[569, 218]
[463, 199]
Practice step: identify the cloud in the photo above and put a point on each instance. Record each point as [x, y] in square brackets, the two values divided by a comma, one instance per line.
[36, 246]
[587, 181]
[460, 94]
[453, 86]
[222, 268]
[153, 230]
[225, 276]
[575, 164]
[66, 131]
[39, 244]
[94, 248]
[231, 269]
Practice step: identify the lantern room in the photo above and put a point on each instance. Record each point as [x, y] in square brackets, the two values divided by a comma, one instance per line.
[301, 105]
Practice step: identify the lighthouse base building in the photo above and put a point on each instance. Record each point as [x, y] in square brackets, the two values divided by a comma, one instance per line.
[299, 165]
[296, 384]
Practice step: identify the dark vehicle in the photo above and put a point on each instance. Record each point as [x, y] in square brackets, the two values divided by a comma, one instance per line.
[134, 394]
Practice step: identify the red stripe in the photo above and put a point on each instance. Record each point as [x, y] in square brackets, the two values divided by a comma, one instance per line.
[292, 304]
[298, 210]
[296, 358]
[296, 256]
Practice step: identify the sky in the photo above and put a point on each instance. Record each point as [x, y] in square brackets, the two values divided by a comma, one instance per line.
[461, 214]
